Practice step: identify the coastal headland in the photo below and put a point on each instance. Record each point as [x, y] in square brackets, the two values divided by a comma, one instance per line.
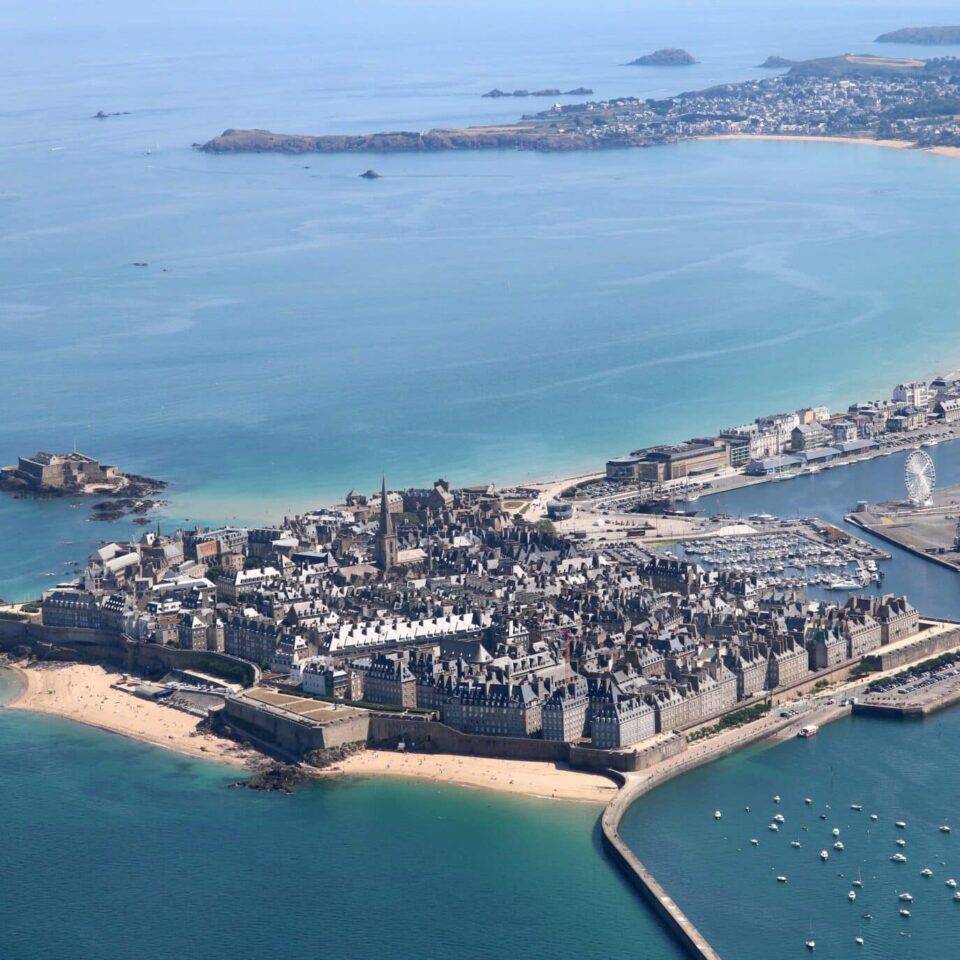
[854, 96]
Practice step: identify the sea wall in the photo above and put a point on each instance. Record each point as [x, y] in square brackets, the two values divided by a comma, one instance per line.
[131, 656]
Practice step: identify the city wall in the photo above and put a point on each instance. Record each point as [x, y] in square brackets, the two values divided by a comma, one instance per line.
[923, 649]
[130, 656]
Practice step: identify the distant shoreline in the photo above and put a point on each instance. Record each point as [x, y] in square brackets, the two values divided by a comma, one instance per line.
[809, 138]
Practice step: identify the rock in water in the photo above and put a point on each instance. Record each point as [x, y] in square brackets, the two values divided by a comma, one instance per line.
[667, 57]
[370, 175]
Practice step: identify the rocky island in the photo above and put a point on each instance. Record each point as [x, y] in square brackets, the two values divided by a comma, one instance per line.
[774, 62]
[549, 92]
[46, 476]
[932, 36]
[667, 57]
[851, 96]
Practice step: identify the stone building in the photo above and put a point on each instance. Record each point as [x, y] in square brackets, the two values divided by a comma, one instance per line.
[565, 713]
[622, 721]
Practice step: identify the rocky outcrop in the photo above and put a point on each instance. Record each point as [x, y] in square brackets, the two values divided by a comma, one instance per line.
[667, 57]
[932, 36]
[774, 62]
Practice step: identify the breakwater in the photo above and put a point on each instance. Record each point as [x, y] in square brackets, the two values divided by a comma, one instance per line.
[633, 787]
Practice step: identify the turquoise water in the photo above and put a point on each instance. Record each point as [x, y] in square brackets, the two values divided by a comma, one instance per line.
[489, 316]
[901, 771]
[113, 850]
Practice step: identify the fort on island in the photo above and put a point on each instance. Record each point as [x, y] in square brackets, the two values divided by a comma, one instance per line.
[465, 620]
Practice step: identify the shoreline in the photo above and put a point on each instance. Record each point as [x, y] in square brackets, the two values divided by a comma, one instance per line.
[82, 693]
[811, 138]
[536, 779]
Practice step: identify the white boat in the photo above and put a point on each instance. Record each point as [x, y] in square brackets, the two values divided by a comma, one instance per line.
[774, 827]
[824, 855]
[858, 941]
[836, 831]
[717, 814]
[944, 828]
[873, 816]
[951, 882]
[779, 818]
[781, 879]
[956, 894]
[901, 824]
[807, 801]
[754, 842]
[776, 799]
[904, 912]
[898, 858]
[856, 806]
[926, 872]
[852, 895]
[794, 843]
[901, 843]
[838, 845]
[906, 897]
[811, 945]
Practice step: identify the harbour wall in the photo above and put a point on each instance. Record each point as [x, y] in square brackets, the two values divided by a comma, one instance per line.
[878, 531]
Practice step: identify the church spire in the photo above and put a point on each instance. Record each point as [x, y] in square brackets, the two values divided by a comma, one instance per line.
[386, 542]
[386, 520]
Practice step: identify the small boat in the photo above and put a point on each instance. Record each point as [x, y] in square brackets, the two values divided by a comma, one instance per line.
[774, 827]
[926, 872]
[856, 806]
[852, 895]
[956, 895]
[951, 882]
[906, 897]
[867, 916]
[873, 816]
[858, 941]
[838, 845]
[901, 843]
[904, 912]
[823, 816]
[754, 842]
[794, 843]
[811, 945]
[898, 858]
[776, 799]
[747, 808]
[807, 801]
[781, 879]
[779, 818]
[717, 814]
[901, 824]
[836, 831]
[824, 855]
[944, 828]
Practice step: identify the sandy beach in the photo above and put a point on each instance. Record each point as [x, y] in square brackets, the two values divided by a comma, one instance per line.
[527, 777]
[864, 141]
[82, 692]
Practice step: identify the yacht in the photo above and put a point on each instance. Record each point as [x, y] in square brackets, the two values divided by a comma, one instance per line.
[904, 912]
[901, 824]
[858, 941]
[807, 801]
[951, 882]
[794, 843]
[838, 845]
[874, 816]
[926, 872]
[776, 799]
[779, 818]
[717, 814]
[836, 831]
[944, 828]
[901, 843]
[811, 945]
[852, 895]
[898, 858]
[956, 894]
[754, 842]
[856, 806]
[781, 879]
[824, 855]
[906, 897]
[774, 827]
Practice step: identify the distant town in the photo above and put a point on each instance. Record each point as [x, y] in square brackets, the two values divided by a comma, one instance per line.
[477, 618]
[881, 98]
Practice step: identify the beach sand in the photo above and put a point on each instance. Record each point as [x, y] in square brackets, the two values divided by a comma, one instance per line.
[527, 777]
[867, 141]
[82, 692]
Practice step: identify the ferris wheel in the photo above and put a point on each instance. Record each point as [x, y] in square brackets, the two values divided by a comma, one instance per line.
[920, 477]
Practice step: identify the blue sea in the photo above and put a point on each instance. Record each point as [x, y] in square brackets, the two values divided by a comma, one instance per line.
[494, 316]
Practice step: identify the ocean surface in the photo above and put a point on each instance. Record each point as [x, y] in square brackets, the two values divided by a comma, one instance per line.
[503, 316]
[898, 770]
[494, 316]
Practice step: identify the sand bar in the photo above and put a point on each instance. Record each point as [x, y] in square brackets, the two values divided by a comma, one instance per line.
[528, 777]
[82, 692]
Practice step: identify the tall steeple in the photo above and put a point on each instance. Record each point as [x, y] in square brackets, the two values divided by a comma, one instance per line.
[386, 535]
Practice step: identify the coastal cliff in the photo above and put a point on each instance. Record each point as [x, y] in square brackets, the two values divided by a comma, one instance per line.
[932, 36]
